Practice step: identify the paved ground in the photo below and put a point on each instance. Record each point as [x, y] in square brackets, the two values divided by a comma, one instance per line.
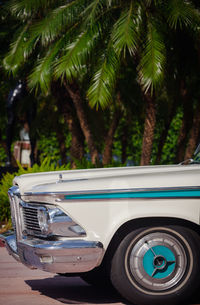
[22, 286]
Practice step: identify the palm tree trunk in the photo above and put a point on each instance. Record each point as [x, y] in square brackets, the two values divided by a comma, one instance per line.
[74, 93]
[149, 126]
[65, 106]
[194, 134]
[107, 154]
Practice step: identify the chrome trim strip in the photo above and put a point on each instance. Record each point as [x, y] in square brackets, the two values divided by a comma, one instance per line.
[69, 256]
[128, 198]
[113, 191]
[131, 193]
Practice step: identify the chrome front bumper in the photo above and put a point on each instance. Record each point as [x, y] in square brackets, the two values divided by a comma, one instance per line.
[69, 256]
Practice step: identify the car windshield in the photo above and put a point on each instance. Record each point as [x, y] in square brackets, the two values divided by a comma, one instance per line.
[196, 157]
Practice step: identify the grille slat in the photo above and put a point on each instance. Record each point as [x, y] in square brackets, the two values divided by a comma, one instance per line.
[30, 225]
[31, 212]
[34, 228]
[30, 216]
[30, 220]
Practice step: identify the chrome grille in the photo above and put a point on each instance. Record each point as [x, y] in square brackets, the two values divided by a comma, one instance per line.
[24, 215]
[12, 207]
[13, 194]
[30, 218]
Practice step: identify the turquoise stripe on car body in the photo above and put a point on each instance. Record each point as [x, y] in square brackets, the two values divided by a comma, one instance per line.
[136, 194]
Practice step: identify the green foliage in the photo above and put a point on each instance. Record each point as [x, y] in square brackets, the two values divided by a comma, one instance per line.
[134, 142]
[91, 40]
[2, 156]
[42, 72]
[76, 53]
[16, 55]
[84, 163]
[124, 33]
[66, 38]
[48, 146]
[25, 9]
[56, 22]
[134, 150]
[182, 13]
[100, 92]
[169, 149]
[152, 62]
[6, 182]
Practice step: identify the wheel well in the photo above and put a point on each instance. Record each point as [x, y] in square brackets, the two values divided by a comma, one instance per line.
[144, 222]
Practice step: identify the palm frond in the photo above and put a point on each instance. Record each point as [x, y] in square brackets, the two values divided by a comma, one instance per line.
[181, 13]
[111, 3]
[76, 53]
[25, 9]
[42, 74]
[151, 67]
[92, 11]
[57, 21]
[19, 50]
[103, 82]
[124, 35]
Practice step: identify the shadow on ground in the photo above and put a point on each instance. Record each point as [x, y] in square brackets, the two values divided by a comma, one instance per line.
[74, 291]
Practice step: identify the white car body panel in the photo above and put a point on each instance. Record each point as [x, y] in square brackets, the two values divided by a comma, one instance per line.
[124, 177]
[102, 217]
[102, 220]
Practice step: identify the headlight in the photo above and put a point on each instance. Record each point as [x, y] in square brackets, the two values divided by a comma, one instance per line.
[43, 220]
[62, 225]
[48, 220]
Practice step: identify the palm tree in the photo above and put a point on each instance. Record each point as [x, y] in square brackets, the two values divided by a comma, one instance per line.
[74, 39]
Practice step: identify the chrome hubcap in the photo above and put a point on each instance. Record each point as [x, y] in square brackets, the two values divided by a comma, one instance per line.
[156, 262]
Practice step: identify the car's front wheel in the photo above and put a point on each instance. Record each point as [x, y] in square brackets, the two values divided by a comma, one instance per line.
[157, 265]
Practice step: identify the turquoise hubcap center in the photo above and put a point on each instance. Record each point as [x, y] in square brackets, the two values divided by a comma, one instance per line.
[159, 262]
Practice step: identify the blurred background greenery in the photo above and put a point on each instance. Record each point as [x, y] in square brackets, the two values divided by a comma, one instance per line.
[116, 83]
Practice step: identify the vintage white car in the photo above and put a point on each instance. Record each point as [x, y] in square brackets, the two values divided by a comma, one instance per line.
[134, 227]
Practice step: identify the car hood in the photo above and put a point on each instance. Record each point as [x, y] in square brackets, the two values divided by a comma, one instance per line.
[109, 179]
